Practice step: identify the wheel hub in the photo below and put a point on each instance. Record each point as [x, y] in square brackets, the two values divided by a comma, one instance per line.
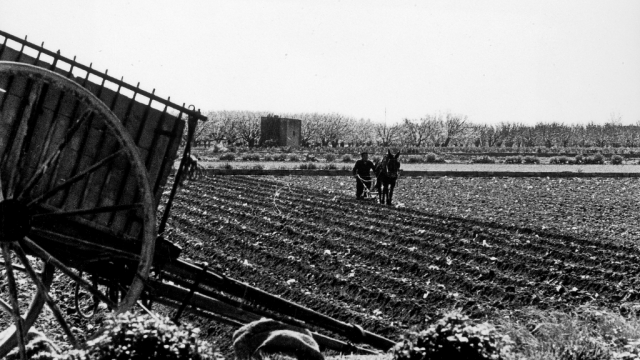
[14, 220]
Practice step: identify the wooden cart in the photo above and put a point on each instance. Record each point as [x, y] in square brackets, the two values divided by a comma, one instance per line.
[83, 166]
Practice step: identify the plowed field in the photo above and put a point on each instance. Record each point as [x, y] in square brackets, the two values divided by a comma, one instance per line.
[474, 244]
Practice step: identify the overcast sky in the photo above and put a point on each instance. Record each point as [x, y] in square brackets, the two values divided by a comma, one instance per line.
[516, 61]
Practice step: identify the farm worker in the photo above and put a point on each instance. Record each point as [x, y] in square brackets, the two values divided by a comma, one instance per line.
[361, 173]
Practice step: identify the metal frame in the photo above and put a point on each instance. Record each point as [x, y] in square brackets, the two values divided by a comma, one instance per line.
[121, 84]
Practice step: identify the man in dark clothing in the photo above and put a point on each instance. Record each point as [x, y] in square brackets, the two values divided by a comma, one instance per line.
[361, 173]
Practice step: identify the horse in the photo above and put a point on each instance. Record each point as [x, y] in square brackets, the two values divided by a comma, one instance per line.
[386, 174]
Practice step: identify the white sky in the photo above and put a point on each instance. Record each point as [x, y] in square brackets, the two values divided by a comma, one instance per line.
[524, 61]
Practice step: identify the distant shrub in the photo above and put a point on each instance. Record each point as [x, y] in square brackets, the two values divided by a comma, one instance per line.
[257, 167]
[579, 159]
[559, 160]
[294, 158]
[347, 158]
[616, 159]
[431, 157]
[483, 160]
[513, 160]
[531, 160]
[251, 157]
[280, 157]
[453, 337]
[268, 158]
[595, 159]
[330, 157]
[270, 143]
[310, 158]
[414, 160]
[331, 166]
[227, 157]
[308, 166]
[227, 166]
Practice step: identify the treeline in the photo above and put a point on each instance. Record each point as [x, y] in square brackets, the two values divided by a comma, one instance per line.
[439, 130]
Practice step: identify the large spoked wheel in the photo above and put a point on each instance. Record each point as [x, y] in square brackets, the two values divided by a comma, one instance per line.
[74, 194]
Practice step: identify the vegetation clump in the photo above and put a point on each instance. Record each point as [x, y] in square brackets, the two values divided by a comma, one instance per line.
[308, 166]
[453, 337]
[136, 337]
[597, 159]
[330, 157]
[227, 157]
[616, 159]
[513, 160]
[347, 158]
[251, 157]
[483, 160]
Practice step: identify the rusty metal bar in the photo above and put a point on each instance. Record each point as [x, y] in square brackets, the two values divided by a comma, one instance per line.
[109, 78]
[4, 45]
[21, 48]
[55, 60]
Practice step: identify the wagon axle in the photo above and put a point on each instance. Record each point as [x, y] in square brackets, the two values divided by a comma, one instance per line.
[14, 220]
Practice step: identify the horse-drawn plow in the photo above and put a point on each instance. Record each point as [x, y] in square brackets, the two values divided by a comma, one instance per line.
[83, 167]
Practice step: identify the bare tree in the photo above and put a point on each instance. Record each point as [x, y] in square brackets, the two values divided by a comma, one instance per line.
[454, 125]
[488, 135]
[387, 135]
[360, 133]
[311, 125]
[333, 128]
[247, 124]
[419, 132]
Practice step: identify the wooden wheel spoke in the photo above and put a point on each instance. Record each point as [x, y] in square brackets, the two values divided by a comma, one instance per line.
[13, 298]
[42, 169]
[43, 254]
[43, 290]
[15, 266]
[74, 179]
[6, 307]
[91, 211]
[73, 241]
[1, 187]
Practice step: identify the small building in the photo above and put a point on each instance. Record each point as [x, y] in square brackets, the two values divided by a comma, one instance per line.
[277, 131]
